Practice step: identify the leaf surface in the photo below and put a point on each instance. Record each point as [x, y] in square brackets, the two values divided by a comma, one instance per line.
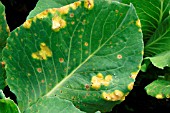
[86, 54]
[53, 105]
[159, 89]
[160, 41]
[4, 33]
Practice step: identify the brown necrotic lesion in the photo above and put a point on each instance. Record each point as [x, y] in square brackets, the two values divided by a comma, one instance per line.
[43, 53]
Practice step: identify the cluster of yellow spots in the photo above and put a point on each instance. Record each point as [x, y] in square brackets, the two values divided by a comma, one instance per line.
[89, 4]
[138, 24]
[45, 13]
[113, 96]
[99, 80]
[75, 5]
[161, 96]
[43, 53]
[65, 9]
[58, 23]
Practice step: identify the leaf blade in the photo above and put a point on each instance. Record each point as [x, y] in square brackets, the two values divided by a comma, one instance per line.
[4, 33]
[159, 89]
[62, 61]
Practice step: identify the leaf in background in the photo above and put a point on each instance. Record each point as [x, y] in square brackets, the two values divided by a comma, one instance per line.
[151, 13]
[7, 105]
[160, 41]
[161, 60]
[87, 53]
[159, 89]
[46, 4]
[53, 105]
[4, 33]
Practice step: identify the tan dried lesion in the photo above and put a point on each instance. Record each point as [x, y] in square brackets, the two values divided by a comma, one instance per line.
[114, 96]
[43, 53]
[58, 23]
[99, 80]
[89, 4]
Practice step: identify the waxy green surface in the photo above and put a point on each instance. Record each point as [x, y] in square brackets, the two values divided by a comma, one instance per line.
[59, 55]
[4, 33]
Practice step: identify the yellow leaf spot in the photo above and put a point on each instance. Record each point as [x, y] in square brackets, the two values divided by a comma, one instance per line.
[75, 5]
[27, 24]
[71, 15]
[61, 60]
[159, 96]
[142, 52]
[8, 30]
[138, 23]
[39, 70]
[72, 22]
[130, 86]
[43, 53]
[86, 44]
[134, 75]
[80, 36]
[16, 34]
[119, 56]
[140, 30]
[108, 78]
[89, 4]
[58, 23]
[99, 75]
[99, 80]
[113, 96]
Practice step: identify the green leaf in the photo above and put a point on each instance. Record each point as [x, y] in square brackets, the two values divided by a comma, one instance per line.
[4, 33]
[159, 89]
[53, 105]
[46, 4]
[151, 13]
[7, 105]
[161, 60]
[160, 41]
[89, 55]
